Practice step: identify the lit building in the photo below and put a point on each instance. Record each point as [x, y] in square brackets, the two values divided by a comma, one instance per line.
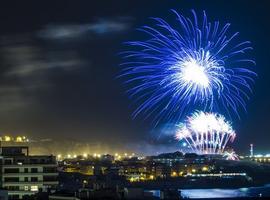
[24, 175]
[251, 150]
[261, 158]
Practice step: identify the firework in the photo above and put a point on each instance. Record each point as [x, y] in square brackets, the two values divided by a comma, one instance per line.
[206, 133]
[194, 63]
[230, 155]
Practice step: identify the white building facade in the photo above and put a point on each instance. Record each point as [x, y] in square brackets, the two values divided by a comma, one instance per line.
[24, 175]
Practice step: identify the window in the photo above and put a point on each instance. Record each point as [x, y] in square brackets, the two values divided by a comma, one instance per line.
[49, 169]
[11, 170]
[26, 188]
[25, 170]
[26, 197]
[14, 196]
[25, 179]
[11, 179]
[34, 179]
[12, 188]
[34, 188]
[34, 170]
[33, 161]
[20, 161]
[8, 162]
[49, 178]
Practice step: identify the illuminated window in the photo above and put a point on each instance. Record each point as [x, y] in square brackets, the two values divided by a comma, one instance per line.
[26, 187]
[34, 188]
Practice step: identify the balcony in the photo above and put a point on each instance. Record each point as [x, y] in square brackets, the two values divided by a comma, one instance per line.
[24, 192]
[38, 183]
[19, 165]
[29, 174]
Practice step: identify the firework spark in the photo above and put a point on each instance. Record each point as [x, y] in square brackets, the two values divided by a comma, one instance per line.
[230, 155]
[206, 133]
[189, 65]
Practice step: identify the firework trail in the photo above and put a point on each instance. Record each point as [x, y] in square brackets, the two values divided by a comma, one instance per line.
[194, 63]
[206, 133]
[230, 155]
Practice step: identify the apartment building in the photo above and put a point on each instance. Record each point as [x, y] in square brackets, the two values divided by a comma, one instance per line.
[23, 175]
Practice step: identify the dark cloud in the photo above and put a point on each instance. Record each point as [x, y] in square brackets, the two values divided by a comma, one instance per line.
[27, 70]
[101, 26]
[26, 59]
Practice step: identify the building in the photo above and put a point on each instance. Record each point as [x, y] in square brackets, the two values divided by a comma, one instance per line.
[24, 175]
[261, 158]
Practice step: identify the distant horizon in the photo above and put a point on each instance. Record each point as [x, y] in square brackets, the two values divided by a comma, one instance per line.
[73, 147]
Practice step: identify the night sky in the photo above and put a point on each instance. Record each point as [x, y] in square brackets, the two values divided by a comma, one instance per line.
[59, 61]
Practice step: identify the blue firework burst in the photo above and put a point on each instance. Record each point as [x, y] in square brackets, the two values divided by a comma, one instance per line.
[193, 64]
